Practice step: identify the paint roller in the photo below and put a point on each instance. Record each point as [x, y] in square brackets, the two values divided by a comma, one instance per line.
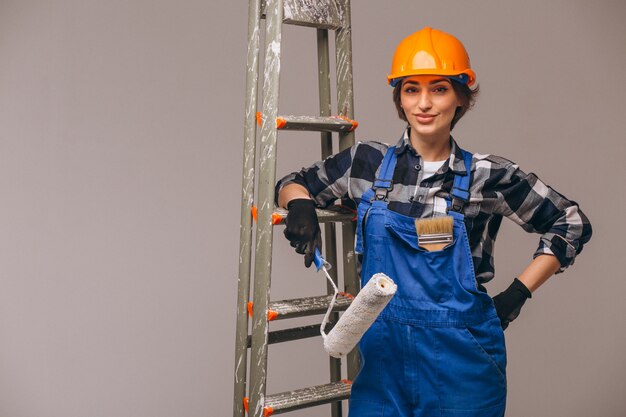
[359, 316]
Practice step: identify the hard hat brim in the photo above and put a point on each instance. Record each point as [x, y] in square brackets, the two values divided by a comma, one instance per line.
[466, 77]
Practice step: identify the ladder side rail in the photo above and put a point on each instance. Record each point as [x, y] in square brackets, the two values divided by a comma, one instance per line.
[267, 177]
[247, 198]
[345, 107]
[343, 50]
[330, 242]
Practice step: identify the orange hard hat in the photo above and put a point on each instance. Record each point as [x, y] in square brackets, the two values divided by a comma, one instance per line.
[432, 52]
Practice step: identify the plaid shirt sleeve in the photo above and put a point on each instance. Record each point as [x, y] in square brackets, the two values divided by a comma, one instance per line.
[326, 180]
[538, 208]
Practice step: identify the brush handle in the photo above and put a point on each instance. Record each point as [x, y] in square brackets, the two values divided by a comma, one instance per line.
[432, 247]
[319, 261]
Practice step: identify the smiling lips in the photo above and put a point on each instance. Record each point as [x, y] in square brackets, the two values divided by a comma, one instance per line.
[425, 118]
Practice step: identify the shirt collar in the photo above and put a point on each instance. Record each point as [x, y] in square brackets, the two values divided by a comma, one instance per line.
[454, 162]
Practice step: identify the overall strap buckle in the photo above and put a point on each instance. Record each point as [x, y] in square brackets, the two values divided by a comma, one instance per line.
[381, 191]
[384, 183]
[456, 205]
[460, 189]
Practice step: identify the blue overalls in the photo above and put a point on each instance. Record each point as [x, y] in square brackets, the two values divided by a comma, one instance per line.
[438, 348]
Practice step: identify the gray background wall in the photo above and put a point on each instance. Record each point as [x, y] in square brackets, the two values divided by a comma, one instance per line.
[120, 169]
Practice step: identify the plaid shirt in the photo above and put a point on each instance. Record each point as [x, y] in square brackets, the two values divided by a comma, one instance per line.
[498, 188]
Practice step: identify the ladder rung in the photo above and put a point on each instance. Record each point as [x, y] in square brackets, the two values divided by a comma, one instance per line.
[308, 306]
[316, 123]
[331, 214]
[322, 14]
[308, 397]
[295, 333]
[328, 215]
[305, 397]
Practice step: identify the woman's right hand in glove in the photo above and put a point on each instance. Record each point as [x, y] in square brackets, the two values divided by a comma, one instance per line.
[303, 229]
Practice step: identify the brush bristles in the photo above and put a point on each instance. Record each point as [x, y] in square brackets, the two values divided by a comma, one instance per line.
[434, 225]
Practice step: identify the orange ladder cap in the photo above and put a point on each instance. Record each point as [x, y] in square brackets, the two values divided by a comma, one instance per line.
[280, 123]
[276, 218]
[267, 411]
[345, 381]
[354, 123]
[346, 294]
[271, 314]
[259, 118]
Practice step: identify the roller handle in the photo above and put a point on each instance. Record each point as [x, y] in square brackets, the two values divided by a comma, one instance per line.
[319, 261]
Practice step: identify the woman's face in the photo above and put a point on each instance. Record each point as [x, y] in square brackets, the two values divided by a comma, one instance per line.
[429, 103]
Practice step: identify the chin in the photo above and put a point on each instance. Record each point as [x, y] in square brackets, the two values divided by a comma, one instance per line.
[426, 130]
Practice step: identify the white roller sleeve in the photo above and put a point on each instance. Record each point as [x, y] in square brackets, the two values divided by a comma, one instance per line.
[364, 309]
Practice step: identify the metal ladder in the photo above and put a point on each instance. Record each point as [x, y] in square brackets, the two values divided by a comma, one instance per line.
[324, 15]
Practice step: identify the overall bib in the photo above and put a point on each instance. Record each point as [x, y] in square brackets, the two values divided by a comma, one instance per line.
[438, 348]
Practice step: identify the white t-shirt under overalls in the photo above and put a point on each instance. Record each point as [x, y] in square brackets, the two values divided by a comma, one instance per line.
[429, 169]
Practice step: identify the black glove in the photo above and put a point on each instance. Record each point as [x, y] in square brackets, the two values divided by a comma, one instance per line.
[510, 301]
[303, 228]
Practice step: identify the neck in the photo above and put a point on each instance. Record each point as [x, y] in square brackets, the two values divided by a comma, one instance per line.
[431, 148]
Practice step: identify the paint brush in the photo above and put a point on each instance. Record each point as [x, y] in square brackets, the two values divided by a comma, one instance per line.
[434, 233]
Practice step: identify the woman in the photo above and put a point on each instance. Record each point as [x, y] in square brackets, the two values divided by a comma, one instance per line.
[438, 348]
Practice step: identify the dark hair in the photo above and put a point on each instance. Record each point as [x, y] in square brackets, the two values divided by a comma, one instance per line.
[463, 92]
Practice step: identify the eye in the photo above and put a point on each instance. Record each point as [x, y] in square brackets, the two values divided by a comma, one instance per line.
[440, 89]
[409, 89]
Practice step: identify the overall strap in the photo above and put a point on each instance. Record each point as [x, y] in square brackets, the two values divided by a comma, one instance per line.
[384, 182]
[378, 192]
[460, 188]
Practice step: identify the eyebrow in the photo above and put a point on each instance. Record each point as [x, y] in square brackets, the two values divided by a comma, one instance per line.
[430, 83]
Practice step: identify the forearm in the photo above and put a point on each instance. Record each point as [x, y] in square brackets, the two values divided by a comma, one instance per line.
[291, 191]
[509, 302]
[539, 270]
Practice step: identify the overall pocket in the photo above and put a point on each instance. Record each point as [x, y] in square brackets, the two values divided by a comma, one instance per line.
[489, 339]
[471, 368]
[426, 276]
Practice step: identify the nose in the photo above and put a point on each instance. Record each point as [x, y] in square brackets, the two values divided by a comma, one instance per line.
[425, 102]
